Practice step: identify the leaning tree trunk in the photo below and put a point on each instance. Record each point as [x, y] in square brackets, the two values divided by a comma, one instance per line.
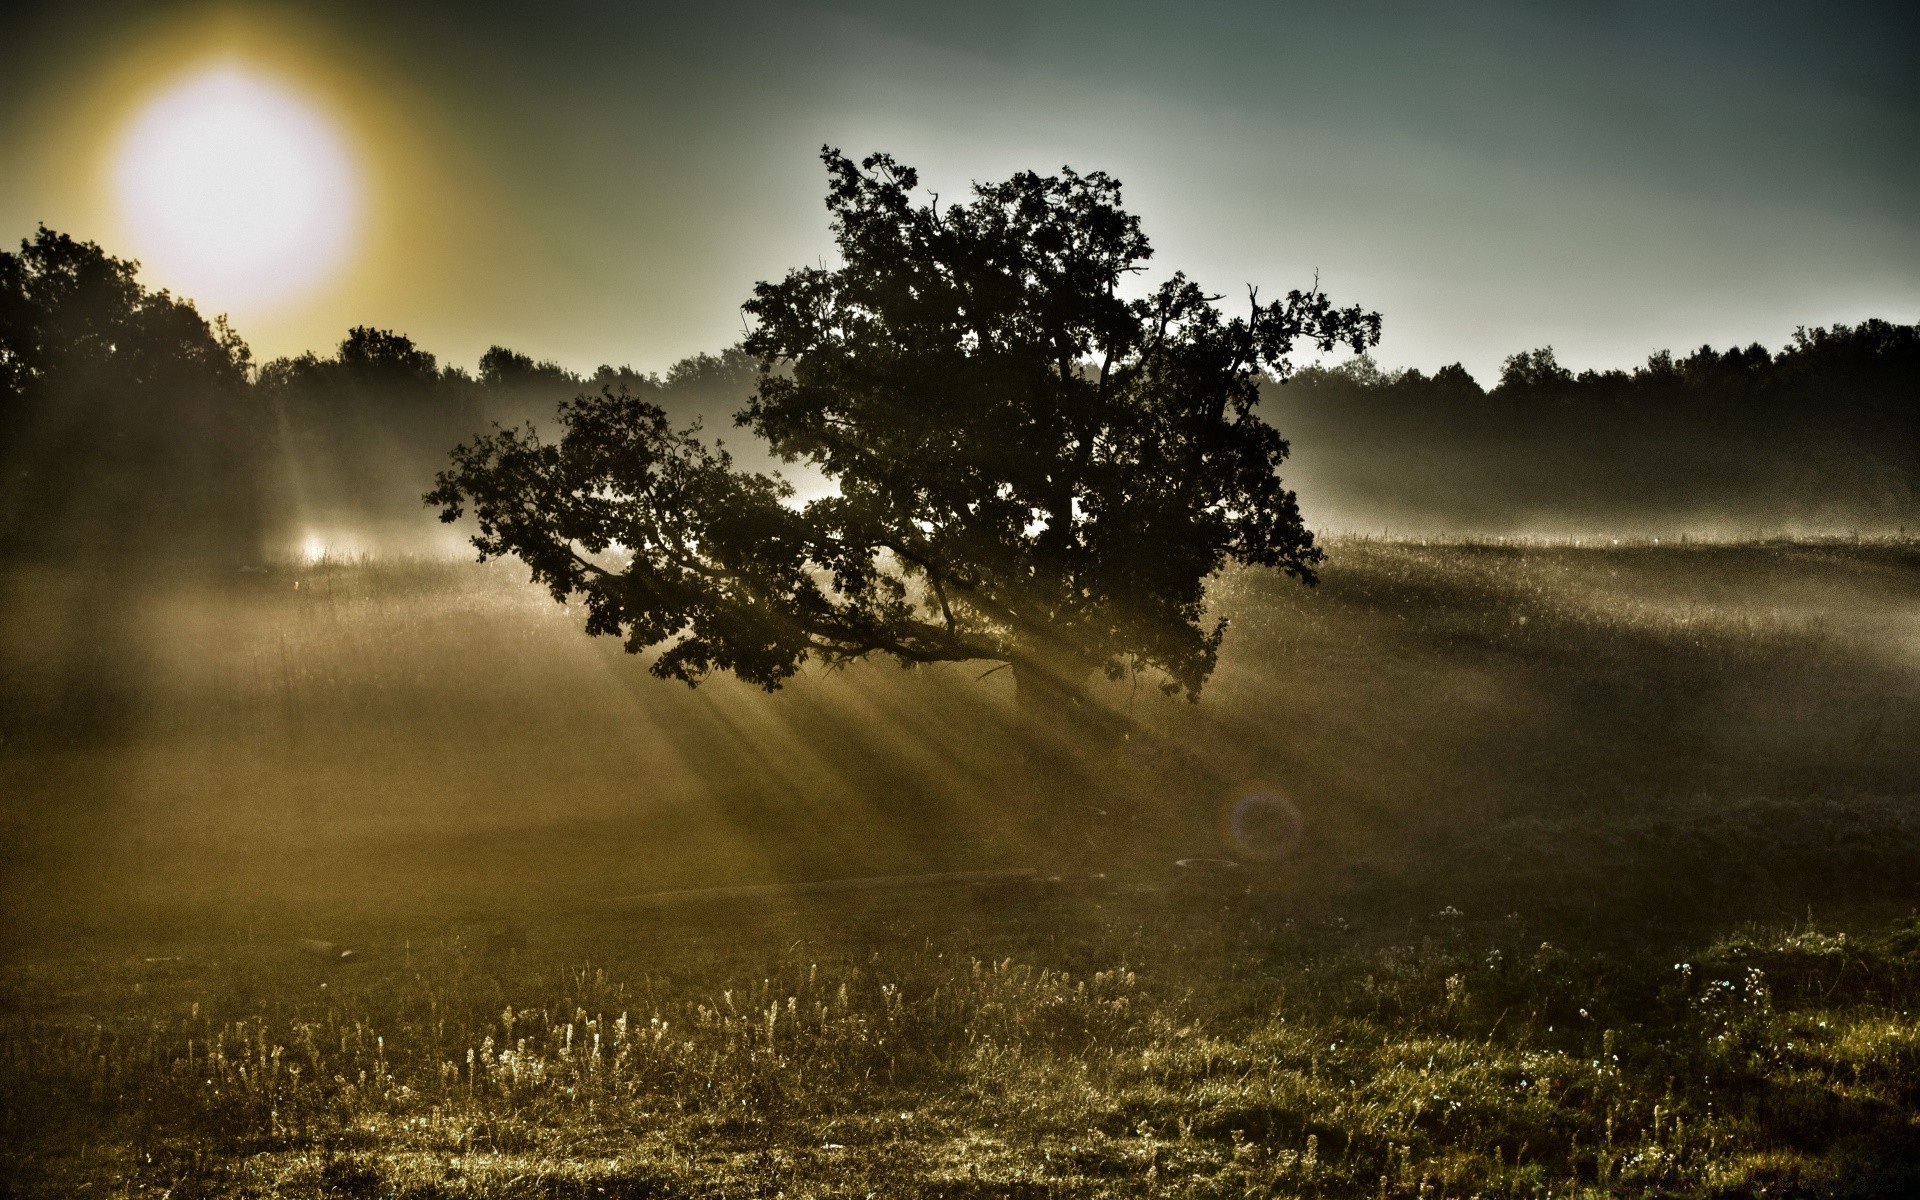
[1051, 692]
[1069, 752]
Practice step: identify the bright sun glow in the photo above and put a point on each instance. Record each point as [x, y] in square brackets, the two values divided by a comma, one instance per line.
[235, 190]
[332, 546]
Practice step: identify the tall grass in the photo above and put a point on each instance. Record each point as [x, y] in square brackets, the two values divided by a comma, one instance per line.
[1128, 1049]
[1567, 809]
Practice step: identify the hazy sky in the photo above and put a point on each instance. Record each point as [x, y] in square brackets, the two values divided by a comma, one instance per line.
[604, 182]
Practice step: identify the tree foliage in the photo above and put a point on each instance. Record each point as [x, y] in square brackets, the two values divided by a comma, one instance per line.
[357, 430]
[1824, 432]
[128, 391]
[1031, 466]
[69, 310]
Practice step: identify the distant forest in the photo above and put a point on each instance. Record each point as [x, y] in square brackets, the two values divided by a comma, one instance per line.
[1823, 436]
[132, 427]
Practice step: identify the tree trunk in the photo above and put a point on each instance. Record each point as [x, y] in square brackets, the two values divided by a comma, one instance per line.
[1052, 691]
[1043, 691]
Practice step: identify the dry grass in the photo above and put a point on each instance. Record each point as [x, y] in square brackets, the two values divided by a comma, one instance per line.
[1133, 1046]
[1656, 758]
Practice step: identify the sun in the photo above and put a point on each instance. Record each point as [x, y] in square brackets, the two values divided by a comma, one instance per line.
[236, 191]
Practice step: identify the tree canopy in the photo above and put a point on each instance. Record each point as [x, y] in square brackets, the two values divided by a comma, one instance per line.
[1032, 464]
[126, 426]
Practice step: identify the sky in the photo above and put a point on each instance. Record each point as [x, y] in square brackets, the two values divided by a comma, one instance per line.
[604, 182]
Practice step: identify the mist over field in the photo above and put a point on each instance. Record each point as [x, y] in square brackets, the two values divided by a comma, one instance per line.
[1495, 749]
[1625, 660]
[1381, 659]
[250, 671]
[347, 739]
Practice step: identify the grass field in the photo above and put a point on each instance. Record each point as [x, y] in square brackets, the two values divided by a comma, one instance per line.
[1605, 886]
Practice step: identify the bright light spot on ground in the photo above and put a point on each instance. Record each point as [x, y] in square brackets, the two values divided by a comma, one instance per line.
[320, 547]
[236, 191]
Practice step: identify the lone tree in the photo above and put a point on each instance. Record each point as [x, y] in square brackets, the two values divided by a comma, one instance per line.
[1032, 468]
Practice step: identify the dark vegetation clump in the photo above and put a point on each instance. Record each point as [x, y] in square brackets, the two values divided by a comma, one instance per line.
[126, 419]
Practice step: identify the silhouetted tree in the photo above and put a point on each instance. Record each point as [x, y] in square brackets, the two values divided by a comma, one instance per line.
[1032, 468]
[1531, 374]
[1825, 432]
[504, 368]
[126, 424]
[360, 429]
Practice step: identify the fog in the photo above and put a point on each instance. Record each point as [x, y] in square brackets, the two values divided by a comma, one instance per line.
[539, 660]
[350, 738]
[303, 805]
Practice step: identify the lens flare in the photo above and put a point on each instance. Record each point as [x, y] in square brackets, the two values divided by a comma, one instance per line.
[1262, 824]
[236, 191]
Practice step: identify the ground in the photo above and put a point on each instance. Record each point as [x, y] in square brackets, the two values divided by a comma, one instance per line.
[1603, 887]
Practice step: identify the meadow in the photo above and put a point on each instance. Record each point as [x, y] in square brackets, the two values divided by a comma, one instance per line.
[1605, 887]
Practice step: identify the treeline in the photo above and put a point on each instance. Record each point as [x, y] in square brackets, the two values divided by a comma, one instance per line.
[131, 427]
[358, 436]
[126, 419]
[1824, 434]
